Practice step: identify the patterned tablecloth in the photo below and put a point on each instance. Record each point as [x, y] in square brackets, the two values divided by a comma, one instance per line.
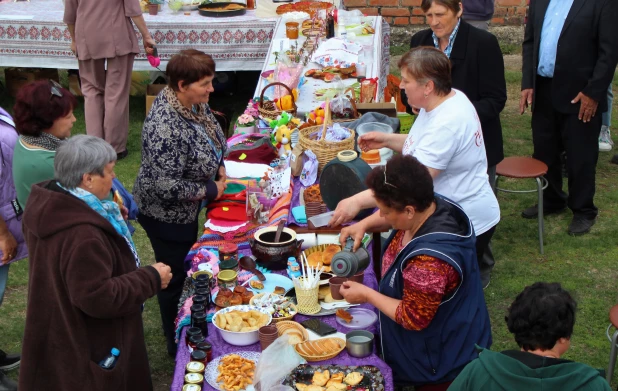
[377, 48]
[220, 347]
[32, 34]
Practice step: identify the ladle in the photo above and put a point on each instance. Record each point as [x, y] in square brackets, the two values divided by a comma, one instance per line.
[249, 264]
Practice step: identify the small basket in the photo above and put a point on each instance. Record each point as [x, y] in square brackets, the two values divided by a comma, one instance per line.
[276, 320]
[328, 356]
[307, 300]
[324, 150]
[405, 122]
[268, 109]
[288, 324]
[355, 114]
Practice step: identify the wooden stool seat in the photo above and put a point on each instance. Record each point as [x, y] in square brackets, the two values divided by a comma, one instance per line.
[521, 167]
[613, 316]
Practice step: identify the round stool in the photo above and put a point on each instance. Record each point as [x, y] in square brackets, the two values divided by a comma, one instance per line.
[521, 167]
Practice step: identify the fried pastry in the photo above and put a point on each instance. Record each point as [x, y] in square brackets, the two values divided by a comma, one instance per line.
[336, 378]
[329, 252]
[353, 378]
[320, 378]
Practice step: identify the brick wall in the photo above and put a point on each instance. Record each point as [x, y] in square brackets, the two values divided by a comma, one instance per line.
[406, 12]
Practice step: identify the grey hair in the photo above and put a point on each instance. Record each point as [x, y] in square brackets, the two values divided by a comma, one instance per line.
[81, 155]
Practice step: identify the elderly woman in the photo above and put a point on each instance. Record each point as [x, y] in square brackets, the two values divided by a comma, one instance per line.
[432, 308]
[541, 318]
[87, 288]
[446, 137]
[182, 167]
[43, 115]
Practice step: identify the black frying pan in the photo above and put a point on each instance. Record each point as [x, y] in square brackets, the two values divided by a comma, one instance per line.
[207, 10]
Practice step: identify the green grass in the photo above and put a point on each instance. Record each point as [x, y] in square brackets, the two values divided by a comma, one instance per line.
[585, 265]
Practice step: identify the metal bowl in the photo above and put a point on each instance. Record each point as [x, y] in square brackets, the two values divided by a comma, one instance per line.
[359, 343]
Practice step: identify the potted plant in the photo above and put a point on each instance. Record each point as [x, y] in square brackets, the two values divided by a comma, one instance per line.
[154, 6]
[245, 124]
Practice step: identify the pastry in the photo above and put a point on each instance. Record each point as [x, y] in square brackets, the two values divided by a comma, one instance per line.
[353, 378]
[336, 387]
[240, 289]
[345, 315]
[301, 386]
[315, 258]
[320, 378]
[323, 291]
[256, 284]
[314, 388]
[329, 252]
[335, 378]
[246, 297]
[279, 290]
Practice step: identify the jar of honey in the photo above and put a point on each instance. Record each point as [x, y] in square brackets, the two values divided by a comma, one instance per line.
[195, 367]
[191, 387]
[226, 279]
[194, 378]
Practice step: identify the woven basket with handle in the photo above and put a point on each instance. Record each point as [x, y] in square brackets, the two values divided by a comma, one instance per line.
[324, 150]
[268, 109]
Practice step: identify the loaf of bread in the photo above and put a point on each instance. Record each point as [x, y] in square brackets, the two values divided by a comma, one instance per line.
[320, 347]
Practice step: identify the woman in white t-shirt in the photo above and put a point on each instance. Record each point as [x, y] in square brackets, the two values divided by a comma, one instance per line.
[447, 138]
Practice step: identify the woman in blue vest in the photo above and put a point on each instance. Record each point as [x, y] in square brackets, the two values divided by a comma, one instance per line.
[431, 303]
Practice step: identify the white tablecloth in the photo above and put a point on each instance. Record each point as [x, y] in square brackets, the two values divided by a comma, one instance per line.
[377, 67]
[32, 34]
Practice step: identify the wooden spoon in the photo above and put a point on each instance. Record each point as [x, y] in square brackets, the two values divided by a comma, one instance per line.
[249, 264]
[279, 231]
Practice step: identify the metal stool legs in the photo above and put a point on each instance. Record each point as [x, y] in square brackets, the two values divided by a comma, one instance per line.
[539, 184]
[612, 353]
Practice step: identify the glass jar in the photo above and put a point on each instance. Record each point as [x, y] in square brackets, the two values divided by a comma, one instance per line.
[199, 299]
[191, 387]
[199, 320]
[192, 331]
[194, 378]
[227, 279]
[207, 348]
[206, 293]
[228, 251]
[199, 356]
[197, 285]
[195, 367]
[193, 341]
[229, 264]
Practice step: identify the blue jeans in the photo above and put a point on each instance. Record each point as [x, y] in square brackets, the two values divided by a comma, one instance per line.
[4, 276]
[606, 118]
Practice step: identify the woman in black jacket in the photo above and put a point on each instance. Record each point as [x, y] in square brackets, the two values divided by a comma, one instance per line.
[477, 69]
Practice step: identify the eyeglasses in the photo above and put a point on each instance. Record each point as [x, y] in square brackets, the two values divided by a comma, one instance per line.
[56, 89]
[385, 181]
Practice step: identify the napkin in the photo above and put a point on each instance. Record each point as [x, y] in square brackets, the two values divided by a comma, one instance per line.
[337, 52]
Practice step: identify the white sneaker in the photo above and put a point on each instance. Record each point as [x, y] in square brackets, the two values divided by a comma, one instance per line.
[605, 139]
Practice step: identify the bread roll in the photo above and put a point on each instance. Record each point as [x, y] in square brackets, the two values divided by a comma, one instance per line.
[329, 252]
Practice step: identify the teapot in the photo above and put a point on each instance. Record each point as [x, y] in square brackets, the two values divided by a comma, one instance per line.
[348, 263]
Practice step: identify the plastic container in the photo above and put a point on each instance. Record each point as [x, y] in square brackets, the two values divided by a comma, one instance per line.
[405, 122]
[367, 127]
[321, 220]
[109, 362]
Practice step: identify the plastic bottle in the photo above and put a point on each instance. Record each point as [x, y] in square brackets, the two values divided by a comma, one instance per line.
[109, 362]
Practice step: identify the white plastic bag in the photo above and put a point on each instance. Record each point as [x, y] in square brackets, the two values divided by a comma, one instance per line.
[275, 363]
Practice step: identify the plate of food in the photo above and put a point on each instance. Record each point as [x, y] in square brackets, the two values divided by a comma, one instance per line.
[356, 318]
[232, 372]
[335, 378]
[321, 255]
[280, 307]
[226, 298]
[275, 283]
[222, 9]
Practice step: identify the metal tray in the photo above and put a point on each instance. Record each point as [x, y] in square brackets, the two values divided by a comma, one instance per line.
[206, 10]
[372, 377]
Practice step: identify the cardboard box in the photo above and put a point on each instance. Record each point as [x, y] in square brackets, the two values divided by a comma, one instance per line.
[152, 90]
[388, 109]
[16, 78]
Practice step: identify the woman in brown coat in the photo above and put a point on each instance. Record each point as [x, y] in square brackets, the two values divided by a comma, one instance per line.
[86, 287]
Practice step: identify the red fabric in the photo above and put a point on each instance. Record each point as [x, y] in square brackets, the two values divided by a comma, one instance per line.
[231, 212]
[263, 154]
[426, 281]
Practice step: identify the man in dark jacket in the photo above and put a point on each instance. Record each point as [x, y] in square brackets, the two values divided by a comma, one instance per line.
[542, 319]
[478, 13]
[569, 58]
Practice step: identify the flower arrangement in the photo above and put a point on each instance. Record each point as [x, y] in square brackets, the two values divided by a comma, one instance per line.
[246, 120]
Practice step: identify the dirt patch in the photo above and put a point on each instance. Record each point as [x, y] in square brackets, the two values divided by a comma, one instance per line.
[512, 62]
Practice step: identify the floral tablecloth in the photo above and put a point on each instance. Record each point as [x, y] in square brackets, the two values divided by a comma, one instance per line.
[220, 347]
[32, 34]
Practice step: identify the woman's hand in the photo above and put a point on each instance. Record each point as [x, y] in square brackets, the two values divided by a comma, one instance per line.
[346, 210]
[222, 174]
[8, 245]
[354, 293]
[124, 212]
[221, 186]
[149, 45]
[165, 272]
[74, 48]
[354, 231]
[373, 140]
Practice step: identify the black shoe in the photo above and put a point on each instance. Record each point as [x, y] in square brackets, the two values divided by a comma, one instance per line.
[581, 225]
[9, 361]
[122, 155]
[533, 212]
[614, 159]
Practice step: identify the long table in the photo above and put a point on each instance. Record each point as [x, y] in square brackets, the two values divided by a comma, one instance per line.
[377, 66]
[220, 347]
[33, 34]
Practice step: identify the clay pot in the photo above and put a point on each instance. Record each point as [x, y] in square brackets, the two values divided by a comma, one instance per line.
[272, 255]
[153, 9]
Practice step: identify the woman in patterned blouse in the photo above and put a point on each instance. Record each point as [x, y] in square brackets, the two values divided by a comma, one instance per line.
[432, 308]
[182, 167]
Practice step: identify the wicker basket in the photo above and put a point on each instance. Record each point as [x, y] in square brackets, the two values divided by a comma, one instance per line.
[268, 109]
[355, 114]
[328, 356]
[324, 150]
[307, 300]
[276, 320]
[288, 324]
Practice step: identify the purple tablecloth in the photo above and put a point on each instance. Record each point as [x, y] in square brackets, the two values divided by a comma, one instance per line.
[220, 347]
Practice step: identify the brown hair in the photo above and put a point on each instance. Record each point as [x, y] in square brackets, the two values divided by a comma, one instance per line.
[189, 66]
[453, 5]
[426, 63]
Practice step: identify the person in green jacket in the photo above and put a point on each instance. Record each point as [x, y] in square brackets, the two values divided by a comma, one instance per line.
[542, 319]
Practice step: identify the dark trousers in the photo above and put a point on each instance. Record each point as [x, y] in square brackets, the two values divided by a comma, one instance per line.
[485, 263]
[171, 243]
[554, 132]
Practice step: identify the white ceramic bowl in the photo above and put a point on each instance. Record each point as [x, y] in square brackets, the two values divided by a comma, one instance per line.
[238, 338]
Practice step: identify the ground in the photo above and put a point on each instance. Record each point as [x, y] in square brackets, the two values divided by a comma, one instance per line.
[584, 265]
